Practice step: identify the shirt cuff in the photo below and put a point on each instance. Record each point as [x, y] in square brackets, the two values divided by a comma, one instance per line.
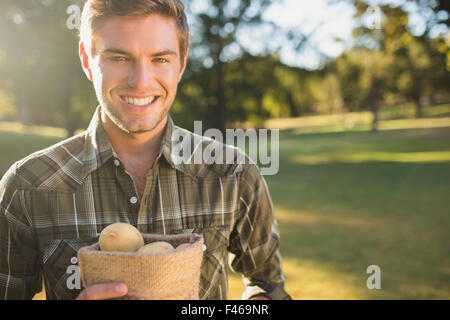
[277, 292]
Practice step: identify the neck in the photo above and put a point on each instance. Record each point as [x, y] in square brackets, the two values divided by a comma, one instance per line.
[135, 149]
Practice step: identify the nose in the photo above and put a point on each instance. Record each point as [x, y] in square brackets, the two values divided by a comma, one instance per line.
[141, 75]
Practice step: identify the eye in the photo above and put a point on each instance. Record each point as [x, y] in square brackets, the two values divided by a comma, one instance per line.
[118, 58]
[161, 60]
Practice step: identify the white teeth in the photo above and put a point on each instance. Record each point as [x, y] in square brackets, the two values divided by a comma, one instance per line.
[139, 102]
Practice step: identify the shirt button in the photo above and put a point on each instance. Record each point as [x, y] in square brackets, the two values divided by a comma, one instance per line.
[133, 200]
[116, 162]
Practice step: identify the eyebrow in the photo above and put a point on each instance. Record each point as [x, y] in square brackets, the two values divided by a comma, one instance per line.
[123, 52]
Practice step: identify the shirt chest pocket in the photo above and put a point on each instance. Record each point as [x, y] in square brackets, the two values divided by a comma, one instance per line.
[59, 258]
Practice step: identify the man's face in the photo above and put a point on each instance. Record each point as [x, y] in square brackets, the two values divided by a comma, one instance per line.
[136, 69]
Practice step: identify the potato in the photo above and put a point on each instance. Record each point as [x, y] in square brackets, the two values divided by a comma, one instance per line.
[121, 237]
[182, 246]
[156, 247]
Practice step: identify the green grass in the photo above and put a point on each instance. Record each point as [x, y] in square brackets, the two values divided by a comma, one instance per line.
[341, 216]
[15, 146]
[348, 199]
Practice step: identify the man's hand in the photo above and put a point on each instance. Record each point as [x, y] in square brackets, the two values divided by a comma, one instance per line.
[103, 291]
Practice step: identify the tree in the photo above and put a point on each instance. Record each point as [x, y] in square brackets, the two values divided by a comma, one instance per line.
[42, 66]
[365, 77]
[416, 60]
[216, 30]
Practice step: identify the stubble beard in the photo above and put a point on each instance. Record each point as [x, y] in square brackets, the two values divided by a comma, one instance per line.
[117, 120]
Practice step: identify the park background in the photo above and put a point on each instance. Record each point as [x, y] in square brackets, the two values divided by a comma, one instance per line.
[358, 89]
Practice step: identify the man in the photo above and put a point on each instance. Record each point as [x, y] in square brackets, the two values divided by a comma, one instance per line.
[122, 168]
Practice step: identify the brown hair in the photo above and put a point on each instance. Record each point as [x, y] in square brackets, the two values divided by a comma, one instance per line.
[96, 11]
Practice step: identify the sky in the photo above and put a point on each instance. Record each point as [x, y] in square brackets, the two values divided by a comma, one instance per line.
[324, 21]
[327, 21]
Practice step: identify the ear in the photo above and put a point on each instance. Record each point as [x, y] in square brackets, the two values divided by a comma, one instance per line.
[183, 66]
[84, 57]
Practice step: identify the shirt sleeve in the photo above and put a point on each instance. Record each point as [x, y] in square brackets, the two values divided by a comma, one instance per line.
[20, 276]
[254, 240]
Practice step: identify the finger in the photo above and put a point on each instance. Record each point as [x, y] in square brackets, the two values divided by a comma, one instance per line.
[103, 291]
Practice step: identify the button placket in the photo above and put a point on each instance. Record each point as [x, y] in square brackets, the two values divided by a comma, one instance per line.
[145, 211]
[129, 191]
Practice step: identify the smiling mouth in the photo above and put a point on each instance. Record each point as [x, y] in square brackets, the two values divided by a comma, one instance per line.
[139, 102]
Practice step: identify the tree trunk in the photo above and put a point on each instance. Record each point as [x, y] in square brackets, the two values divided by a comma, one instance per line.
[419, 111]
[373, 95]
[416, 95]
[292, 106]
[70, 130]
[24, 112]
[375, 119]
[220, 110]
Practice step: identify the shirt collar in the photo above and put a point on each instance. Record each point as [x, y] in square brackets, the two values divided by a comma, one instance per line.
[98, 149]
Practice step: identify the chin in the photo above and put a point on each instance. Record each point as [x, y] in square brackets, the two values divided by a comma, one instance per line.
[140, 131]
[136, 129]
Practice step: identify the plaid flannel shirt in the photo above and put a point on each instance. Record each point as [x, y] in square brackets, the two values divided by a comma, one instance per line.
[59, 199]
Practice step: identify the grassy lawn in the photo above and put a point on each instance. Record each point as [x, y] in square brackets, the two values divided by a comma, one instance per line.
[347, 211]
[346, 199]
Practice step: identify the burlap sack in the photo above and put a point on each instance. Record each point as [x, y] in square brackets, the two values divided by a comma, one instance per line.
[170, 276]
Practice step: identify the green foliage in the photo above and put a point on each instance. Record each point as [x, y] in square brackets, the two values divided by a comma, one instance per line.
[42, 81]
[41, 62]
[391, 64]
